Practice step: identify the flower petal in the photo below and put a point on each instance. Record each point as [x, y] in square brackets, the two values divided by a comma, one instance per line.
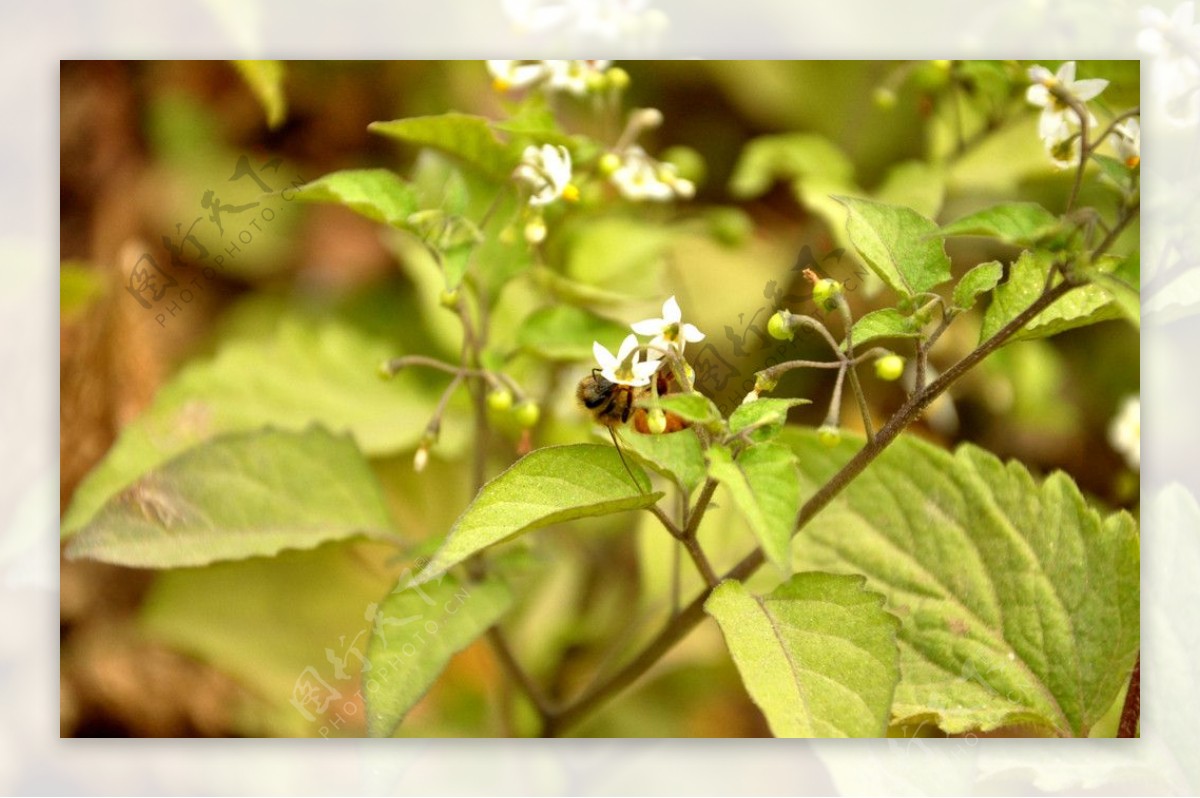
[1039, 74]
[628, 346]
[1087, 89]
[647, 326]
[1066, 72]
[1038, 95]
[643, 371]
[671, 312]
[603, 356]
[691, 333]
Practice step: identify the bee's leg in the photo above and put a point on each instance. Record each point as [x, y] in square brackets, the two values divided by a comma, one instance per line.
[620, 452]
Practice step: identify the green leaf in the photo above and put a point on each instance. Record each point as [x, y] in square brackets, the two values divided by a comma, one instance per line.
[694, 407]
[979, 280]
[884, 323]
[763, 484]
[676, 455]
[1114, 169]
[417, 630]
[616, 254]
[546, 486]
[768, 412]
[787, 157]
[468, 138]
[1018, 602]
[565, 332]
[265, 79]
[898, 244]
[309, 371]
[1027, 278]
[245, 495]
[1122, 284]
[817, 655]
[378, 194]
[1019, 223]
[914, 184]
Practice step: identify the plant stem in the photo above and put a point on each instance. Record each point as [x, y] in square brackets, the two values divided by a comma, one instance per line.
[1132, 710]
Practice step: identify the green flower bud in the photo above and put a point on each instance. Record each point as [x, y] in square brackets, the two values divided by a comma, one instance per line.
[385, 370]
[500, 400]
[656, 421]
[609, 163]
[779, 328]
[688, 163]
[826, 293]
[449, 299]
[889, 367]
[765, 384]
[829, 436]
[527, 414]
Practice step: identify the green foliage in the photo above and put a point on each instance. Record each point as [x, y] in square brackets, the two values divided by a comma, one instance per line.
[563, 332]
[676, 455]
[694, 407]
[766, 414]
[979, 280]
[417, 629]
[265, 79]
[817, 654]
[884, 323]
[1020, 223]
[763, 484]
[468, 138]
[994, 578]
[378, 194]
[787, 157]
[898, 244]
[245, 495]
[1026, 280]
[547, 486]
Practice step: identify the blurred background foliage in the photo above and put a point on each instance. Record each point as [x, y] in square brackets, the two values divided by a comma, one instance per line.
[320, 295]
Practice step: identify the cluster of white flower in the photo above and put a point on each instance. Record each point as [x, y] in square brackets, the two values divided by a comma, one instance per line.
[669, 333]
[1058, 126]
[572, 77]
[639, 177]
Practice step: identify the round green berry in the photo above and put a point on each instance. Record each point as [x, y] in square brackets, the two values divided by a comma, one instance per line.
[829, 436]
[527, 414]
[889, 367]
[779, 328]
[500, 400]
[827, 292]
[449, 299]
[617, 78]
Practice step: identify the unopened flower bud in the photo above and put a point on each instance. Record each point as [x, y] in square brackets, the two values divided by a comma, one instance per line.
[421, 458]
[656, 421]
[827, 293]
[829, 435]
[750, 397]
[609, 163]
[618, 78]
[779, 328]
[449, 299]
[535, 231]
[764, 384]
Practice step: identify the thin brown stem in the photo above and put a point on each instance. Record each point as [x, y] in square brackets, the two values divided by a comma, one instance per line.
[1132, 710]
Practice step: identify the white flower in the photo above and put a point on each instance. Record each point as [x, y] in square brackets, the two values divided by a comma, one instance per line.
[1125, 431]
[546, 171]
[574, 77]
[511, 75]
[640, 177]
[1057, 117]
[669, 330]
[1127, 138]
[623, 368]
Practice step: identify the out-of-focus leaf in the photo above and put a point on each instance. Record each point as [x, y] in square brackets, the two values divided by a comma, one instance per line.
[817, 654]
[616, 254]
[768, 412]
[1122, 284]
[899, 244]
[565, 332]
[787, 157]
[546, 486]
[244, 495]
[324, 372]
[265, 79]
[979, 280]
[914, 184]
[1019, 223]
[417, 629]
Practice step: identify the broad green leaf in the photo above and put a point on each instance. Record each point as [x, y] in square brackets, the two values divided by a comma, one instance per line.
[468, 138]
[763, 484]
[277, 625]
[996, 579]
[617, 254]
[243, 495]
[899, 244]
[675, 455]
[1085, 305]
[310, 371]
[768, 412]
[1019, 223]
[884, 323]
[787, 157]
[417, 629]
[979, 280]
[378, 194]
[694, 407]
[546, 486]
[817, 655]
[1122, 284]
[265, 79]
[564, 332]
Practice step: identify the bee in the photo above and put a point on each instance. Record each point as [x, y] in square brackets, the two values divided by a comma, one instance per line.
[613, 404]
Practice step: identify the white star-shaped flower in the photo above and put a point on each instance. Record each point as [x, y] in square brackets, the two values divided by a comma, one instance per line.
[640, 177]
[546, 171]
[513, 75]
[623, 368]
[669, 330]
[1057, 116]
[1127, 138]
